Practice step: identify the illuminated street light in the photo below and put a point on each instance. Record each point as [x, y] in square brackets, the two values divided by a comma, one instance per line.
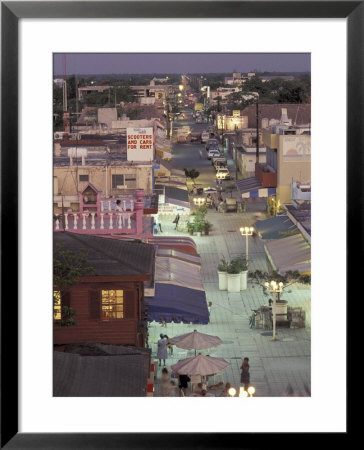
[251, 391]
[199, 201]
[247, 231]
[232, 392]
[274, 288]
[180, 87]
[242, 392]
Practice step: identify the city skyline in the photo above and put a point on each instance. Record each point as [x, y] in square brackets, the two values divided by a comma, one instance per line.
[170, 63]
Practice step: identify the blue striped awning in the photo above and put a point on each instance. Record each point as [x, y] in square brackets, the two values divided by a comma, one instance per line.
[251, 188]
[173, 303]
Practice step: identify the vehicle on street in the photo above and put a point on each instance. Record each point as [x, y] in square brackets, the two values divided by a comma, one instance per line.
[212, 143]
[219, 160]
[204, 136]
[195, 137]
[199, 119]
[212, 152]
[223, 174]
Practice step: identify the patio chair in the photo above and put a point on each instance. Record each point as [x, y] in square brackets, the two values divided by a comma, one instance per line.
[195, 379]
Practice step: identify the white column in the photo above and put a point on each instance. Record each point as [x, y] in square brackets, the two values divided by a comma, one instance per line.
[102, 221]
[57, 223]
[93, 221]
[129, 221]
[84, 221]
[109, 205]
[102, 206]
[110, 224]
[124, 203]
[75, 221]
[131, 205]
[119, 221]
[66, 221]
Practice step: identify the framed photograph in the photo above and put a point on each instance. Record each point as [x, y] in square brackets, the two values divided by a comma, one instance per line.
[31, 33]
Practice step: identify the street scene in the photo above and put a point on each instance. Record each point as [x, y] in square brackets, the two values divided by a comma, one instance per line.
[182, 229]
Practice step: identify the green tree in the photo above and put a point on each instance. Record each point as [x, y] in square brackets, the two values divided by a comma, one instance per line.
[192, 174]
[68, 267]
[289, 278]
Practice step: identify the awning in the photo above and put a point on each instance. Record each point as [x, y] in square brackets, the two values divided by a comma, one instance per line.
[252, 188]
[276, 227]
[175, 271]
[179, 254]
[290, 253]
[172, 303]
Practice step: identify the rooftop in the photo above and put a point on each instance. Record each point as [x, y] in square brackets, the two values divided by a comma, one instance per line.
[110, 257]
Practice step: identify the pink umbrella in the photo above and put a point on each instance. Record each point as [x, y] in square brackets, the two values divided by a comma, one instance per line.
[195, 341]
[200, 365]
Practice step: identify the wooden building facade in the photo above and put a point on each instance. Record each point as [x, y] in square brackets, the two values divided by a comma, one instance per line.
[108, 306]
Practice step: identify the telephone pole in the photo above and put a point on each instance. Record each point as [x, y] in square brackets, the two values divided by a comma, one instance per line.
[257, 116]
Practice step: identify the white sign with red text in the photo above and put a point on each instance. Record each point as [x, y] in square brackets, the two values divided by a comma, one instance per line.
[139, 144]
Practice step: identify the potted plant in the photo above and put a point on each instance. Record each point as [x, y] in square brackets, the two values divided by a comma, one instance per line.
[222, 274]
[199, 226]
[233, 277]
[207, 226]
[190, 228]
[242, 263]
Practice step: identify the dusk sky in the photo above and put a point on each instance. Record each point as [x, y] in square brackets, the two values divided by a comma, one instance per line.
[107, 63]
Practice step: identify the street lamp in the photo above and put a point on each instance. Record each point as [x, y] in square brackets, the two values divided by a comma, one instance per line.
[247, 231]
[274, 288]
[232, 392]
[251, 391]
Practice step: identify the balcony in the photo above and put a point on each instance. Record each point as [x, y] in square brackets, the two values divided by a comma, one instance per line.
[264, 175]
[92, 223]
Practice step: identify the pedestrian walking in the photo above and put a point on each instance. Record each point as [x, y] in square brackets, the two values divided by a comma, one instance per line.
[162, 349]
[183, 384]
[209, 309]
[245, 375]
[165, 379]
[169, 345]
[176, 220]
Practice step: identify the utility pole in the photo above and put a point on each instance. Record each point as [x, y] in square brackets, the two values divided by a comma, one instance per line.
[257, 150]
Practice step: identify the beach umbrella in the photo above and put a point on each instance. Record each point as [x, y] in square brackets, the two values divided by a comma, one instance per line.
[195, 341]
[200, 365]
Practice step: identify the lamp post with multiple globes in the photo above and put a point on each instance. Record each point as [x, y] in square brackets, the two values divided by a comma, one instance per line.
[274, 288]
[246, 231]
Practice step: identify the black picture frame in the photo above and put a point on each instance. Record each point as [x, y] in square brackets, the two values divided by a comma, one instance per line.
[11, 12]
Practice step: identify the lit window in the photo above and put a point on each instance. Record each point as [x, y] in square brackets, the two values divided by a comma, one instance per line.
[57, 305]
[112, 304]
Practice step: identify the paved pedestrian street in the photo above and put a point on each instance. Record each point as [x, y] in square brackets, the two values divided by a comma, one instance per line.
[277, 368]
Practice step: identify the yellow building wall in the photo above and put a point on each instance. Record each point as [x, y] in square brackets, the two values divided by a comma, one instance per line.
[65, 178]
[294, 163]
[269, 139]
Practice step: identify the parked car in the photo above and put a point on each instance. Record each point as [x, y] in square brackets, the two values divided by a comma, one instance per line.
[212, 152]
[219, 160]
[223, 173]
[205, 135]
[212, 143]
[195, 137]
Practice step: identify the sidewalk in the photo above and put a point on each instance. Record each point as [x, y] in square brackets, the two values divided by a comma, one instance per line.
[275, 366]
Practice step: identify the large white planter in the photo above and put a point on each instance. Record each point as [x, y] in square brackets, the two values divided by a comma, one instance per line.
[233, 282]
[222, 280]
[243, 280]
